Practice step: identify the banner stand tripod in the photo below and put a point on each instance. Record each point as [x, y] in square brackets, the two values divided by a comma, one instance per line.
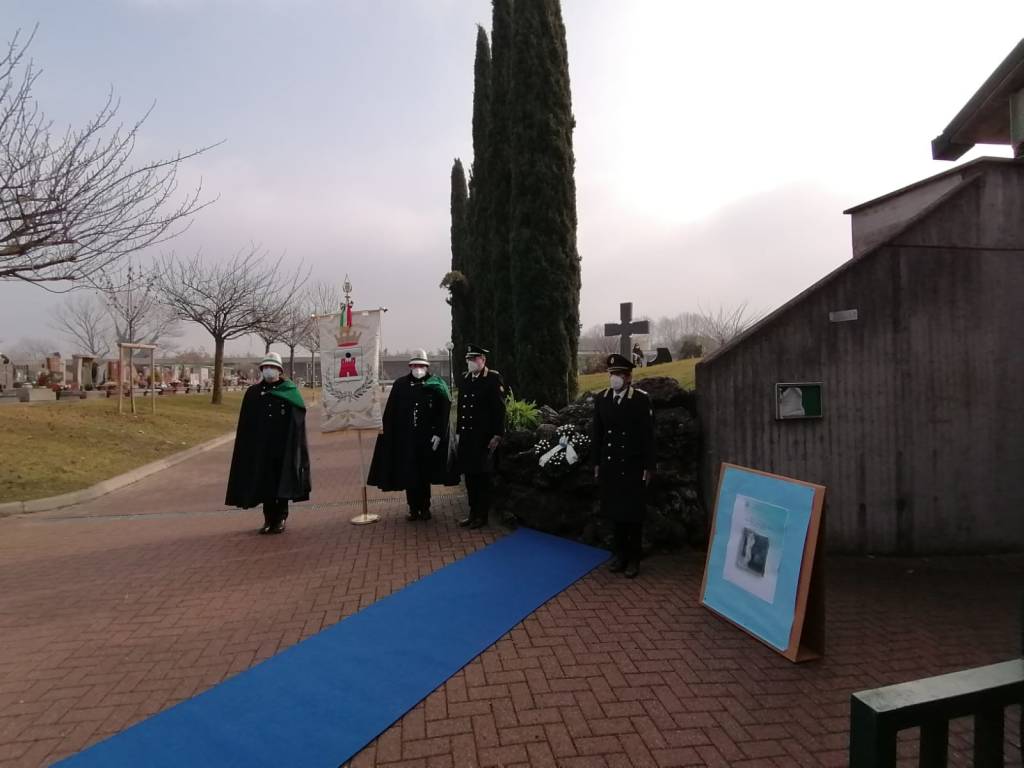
[365, 518]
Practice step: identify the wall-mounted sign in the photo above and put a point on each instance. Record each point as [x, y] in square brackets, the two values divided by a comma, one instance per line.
[842, 316]
[798, 400]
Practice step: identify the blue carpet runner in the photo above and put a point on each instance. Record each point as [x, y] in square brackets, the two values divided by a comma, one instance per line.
[321, 701]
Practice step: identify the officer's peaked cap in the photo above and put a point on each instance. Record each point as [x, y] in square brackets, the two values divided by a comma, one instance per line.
[618, 363]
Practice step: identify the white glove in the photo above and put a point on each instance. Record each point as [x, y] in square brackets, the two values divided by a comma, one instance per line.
[434, 442]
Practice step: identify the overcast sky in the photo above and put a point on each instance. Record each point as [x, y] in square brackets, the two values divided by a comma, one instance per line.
[716, 143]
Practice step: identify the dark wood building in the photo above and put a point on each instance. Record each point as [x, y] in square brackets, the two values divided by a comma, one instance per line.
[898, 380]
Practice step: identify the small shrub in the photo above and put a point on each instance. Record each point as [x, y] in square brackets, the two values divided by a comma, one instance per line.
[690, 347]
[521, 415]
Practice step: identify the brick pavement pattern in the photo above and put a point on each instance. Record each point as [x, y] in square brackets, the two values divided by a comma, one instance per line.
[107, 617]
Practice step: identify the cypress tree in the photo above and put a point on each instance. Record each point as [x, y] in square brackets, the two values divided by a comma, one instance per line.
[481, 277]
[459, 295]
[499, 168]
[545, 265]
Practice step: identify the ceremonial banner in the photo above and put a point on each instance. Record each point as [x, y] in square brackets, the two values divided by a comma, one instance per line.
[350, 366]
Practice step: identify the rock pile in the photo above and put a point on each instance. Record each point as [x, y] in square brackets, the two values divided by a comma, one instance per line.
[564, 502]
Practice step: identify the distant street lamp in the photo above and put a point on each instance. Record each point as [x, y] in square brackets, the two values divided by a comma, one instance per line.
[451, 371]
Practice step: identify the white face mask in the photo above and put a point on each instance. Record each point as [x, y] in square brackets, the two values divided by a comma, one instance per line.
[476, 365]
[616, 382]
[418, 372]
[271, 375]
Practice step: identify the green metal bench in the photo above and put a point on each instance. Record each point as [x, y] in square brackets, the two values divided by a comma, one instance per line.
[876, 716]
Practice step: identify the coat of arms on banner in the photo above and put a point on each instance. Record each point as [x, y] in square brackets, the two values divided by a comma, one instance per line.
[351, 378]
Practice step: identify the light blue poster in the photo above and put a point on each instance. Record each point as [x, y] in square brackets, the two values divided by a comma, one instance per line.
[754, 559]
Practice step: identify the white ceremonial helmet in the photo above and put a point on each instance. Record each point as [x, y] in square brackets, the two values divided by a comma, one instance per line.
[272, 358]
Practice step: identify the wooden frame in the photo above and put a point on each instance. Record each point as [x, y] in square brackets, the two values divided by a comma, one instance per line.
[806, 637]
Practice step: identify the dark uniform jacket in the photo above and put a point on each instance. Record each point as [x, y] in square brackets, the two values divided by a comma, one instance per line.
[271, 456]
[480, 416]
[623, 449]
[413, 414]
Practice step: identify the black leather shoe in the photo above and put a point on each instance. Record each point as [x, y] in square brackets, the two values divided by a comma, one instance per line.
[466, 522]
[413, 515]
[631, 571]
[279, 528]
[617, 566]
[478, 523]
[425, 515]
[264, 529]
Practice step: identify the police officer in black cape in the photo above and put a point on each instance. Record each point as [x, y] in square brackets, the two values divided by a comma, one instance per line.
[411, 453]
[623, 444]
[270, 463]
[480, 424]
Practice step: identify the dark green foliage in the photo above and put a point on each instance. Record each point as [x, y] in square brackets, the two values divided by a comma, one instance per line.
[689, 347]
[481, 275]
[518, 275]
[521, 414]
[499, 168]
[459, 294]
[545, 267]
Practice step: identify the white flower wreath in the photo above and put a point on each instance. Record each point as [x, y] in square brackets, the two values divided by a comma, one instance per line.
[566, 452]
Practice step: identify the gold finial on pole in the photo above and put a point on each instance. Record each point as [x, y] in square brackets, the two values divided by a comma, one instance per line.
[347, 288]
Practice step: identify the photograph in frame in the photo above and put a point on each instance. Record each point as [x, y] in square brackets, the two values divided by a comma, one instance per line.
[762, 547]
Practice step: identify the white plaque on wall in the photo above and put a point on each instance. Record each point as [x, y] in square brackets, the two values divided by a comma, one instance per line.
[842, 316]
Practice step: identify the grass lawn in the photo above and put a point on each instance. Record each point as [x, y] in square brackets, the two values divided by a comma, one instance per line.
[680, 370]
[55, 448]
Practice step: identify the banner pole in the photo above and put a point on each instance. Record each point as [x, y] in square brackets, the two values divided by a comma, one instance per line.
[364, 518]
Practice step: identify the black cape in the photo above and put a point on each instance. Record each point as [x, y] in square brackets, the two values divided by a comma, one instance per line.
[271, 456]
[413, 414]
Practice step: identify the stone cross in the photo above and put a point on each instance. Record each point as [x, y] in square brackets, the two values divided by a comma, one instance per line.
[625, 328]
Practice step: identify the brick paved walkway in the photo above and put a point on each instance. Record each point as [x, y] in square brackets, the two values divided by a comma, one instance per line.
[107, 619]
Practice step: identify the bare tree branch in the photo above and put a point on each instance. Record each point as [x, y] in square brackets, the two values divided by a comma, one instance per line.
[229, 299]
[594, 340]
[72, 205]
[723, 326]
[296, 328]
[32, 350]
[135, 304]
[321, 299]
[84, 321]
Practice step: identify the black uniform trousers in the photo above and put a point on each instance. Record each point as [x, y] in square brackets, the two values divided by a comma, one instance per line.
[417, 492]
[275, 512]
[628, 541]
[478, 489]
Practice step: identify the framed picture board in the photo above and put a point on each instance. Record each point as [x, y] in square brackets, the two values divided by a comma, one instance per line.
[799, 400]
[764, 567]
